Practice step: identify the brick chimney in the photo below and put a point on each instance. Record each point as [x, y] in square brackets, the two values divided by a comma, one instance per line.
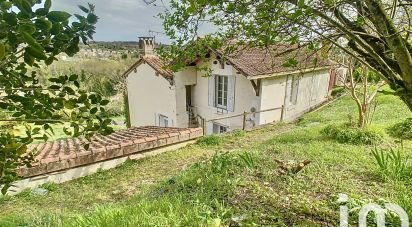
[146, 45]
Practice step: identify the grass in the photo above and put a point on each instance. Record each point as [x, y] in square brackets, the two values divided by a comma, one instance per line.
[233, 182]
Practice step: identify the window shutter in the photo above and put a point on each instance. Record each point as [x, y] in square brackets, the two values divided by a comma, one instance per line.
[211, 94]
[231, 93]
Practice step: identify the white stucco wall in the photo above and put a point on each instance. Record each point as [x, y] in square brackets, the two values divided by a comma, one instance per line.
[149, 95]
[245, 97]
[313, 90]
[272, 96]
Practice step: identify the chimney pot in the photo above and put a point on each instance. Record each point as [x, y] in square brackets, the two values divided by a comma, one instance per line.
[146, 46]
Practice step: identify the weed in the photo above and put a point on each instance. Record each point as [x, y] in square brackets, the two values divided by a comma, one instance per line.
[50, 186]
[392, 165]
[355, 204]
[212, 140]
[352, 135]
[5, 198]
[249, 160]
[238, 133]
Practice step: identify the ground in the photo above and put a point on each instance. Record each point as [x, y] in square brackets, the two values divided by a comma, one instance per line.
[232, 180]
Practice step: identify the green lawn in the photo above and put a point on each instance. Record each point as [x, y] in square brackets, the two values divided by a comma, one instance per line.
[233, 183]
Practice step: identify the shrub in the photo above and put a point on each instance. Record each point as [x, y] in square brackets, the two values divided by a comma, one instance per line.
[211, 140]
[353, 135]
[402, 130]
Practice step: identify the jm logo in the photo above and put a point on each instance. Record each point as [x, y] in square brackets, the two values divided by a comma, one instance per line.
[372, 207]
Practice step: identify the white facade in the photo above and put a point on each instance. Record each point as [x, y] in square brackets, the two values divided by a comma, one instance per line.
[151, 95]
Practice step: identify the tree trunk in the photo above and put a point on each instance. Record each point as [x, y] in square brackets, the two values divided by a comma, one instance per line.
[362, 121]
[408, 101]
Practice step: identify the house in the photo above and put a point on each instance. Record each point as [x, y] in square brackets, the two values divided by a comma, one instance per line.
[251, 81]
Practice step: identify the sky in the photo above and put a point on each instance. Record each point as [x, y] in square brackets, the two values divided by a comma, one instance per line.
[120, 20]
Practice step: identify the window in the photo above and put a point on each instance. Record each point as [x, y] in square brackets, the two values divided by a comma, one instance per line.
[163, 121]
[221, 91]
[293, 97]
[219, 129]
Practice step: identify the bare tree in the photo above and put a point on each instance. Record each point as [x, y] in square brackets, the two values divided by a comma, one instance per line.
[357, 83]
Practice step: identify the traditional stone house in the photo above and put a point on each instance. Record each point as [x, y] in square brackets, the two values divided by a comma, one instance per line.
[251, 81]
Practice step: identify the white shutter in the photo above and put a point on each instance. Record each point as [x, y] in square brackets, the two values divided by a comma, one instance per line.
[231, 93]
[211, 93]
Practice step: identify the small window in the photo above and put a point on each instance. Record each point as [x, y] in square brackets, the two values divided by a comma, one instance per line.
[163, 121]
[221, 91]
[294, 90]
[219, 129]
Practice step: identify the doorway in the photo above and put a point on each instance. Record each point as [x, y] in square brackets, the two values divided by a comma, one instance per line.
[188, 96]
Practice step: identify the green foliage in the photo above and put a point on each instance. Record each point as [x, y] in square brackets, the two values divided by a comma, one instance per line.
[238, 133]
[31, 35]
[352, 135]
[338, 91]
[402, 130]
[212, 140]
[126, 110]
[220, 188]
[392, 164]
[250, 160]
[49, 186]
[355, 204]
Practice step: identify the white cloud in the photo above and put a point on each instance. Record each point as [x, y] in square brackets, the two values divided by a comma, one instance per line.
[119, 19]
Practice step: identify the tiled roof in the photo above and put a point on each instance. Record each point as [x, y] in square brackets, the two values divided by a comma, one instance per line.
[158, 65]
[266, 61]
[155, 62]
[69, 153]
[253, 62]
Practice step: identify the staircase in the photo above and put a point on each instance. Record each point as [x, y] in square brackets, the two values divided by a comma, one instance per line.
[193, 122]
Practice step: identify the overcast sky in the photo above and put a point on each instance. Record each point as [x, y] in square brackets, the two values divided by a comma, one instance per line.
[120, 20]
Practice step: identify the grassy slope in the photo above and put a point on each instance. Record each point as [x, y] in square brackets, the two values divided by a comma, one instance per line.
[240, 187]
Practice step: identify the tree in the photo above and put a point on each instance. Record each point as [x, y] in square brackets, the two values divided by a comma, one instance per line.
[362, 86]
[377, 32]
[31, 36]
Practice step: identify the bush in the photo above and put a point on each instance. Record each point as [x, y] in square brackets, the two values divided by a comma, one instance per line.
[402, 130]
[352, 135]
[212, 140]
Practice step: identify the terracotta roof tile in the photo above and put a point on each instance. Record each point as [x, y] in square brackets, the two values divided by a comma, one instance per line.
[254, 61]
[267, 61]
[127, 141]
[158, 65]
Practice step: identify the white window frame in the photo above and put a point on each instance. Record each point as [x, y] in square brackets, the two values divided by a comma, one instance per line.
[220, 128]
[221, 93]
[164, 119]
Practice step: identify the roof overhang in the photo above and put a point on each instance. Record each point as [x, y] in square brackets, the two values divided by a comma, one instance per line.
[144, 61]
[286, 73]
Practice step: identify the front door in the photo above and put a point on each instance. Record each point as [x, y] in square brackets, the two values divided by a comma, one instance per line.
[188, 96]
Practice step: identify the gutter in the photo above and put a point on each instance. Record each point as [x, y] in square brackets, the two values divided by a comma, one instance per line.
[287, 73]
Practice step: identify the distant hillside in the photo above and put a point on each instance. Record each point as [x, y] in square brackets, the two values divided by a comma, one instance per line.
[115, 45]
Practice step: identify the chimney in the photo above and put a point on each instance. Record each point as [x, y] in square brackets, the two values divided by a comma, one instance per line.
[146, 45]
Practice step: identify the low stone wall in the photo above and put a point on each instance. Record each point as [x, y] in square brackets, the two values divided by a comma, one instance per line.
[55, 158]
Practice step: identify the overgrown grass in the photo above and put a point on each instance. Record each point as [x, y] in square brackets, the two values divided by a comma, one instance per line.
[234, 182]
[348, 134]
